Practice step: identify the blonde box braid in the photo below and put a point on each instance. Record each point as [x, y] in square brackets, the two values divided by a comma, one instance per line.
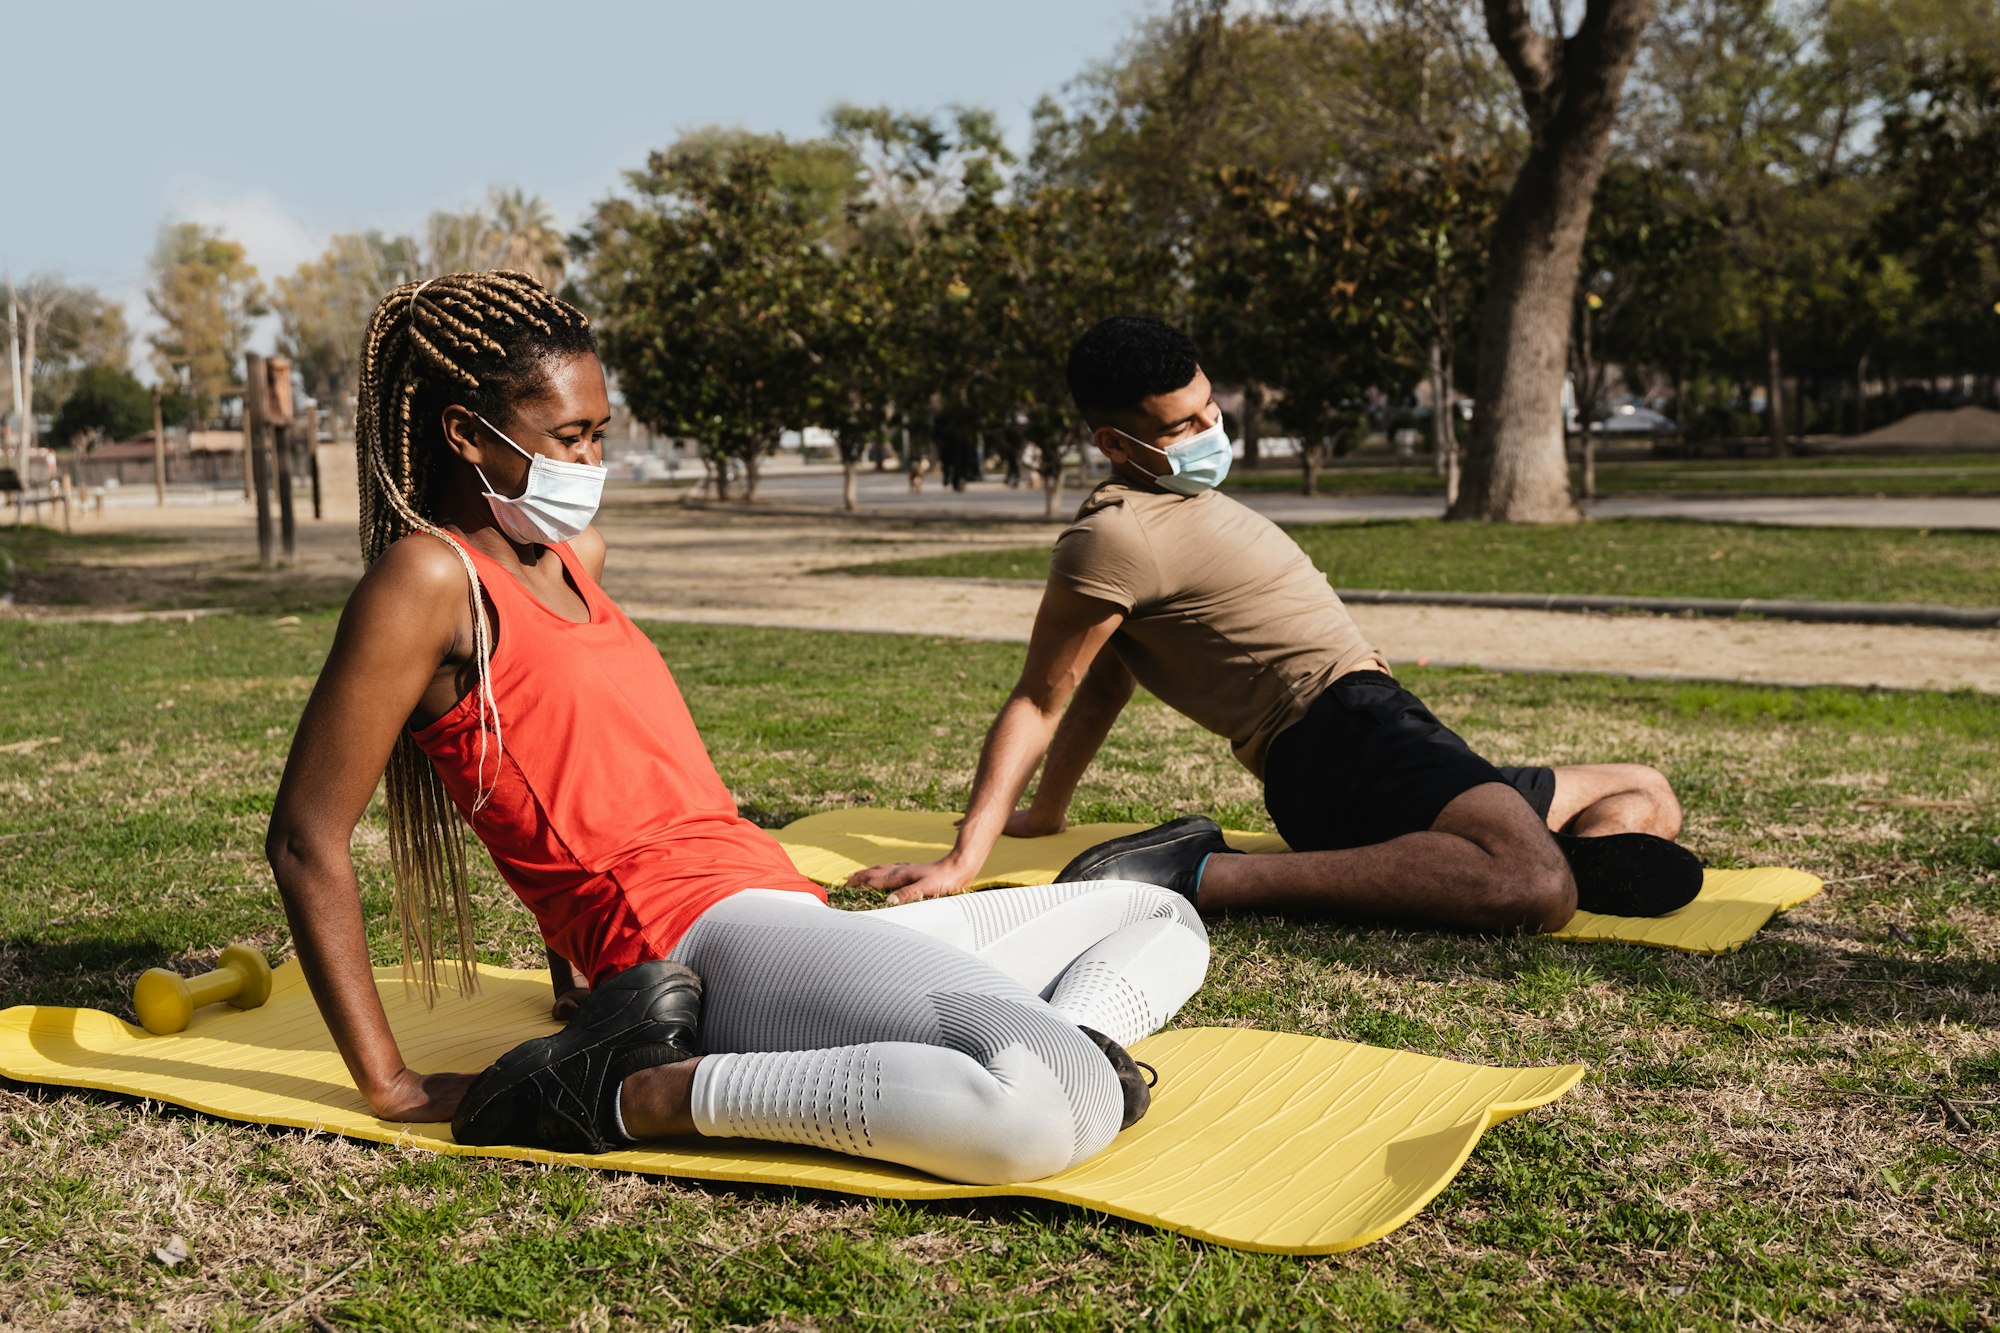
[480, 339]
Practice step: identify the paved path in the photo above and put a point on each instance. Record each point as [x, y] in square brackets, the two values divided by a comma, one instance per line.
[675, 564]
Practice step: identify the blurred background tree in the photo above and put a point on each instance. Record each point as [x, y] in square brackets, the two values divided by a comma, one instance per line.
[1765, 218]
[206, 293]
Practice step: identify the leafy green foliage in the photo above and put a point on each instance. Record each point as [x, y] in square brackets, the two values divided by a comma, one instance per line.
[1940, 146]
[104, 402]
[709, 284]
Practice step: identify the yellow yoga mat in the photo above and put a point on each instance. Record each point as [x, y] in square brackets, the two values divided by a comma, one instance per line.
[830, 846]
[1257, 1140]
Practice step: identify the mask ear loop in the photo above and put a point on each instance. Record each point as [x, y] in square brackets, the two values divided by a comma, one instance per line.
[1146, 444]
[509, 442]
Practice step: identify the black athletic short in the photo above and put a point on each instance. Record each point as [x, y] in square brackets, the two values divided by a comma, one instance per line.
[1368, 762]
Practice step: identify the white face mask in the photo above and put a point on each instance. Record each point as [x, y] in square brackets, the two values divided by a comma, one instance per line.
[558, 503]
[1196, 464]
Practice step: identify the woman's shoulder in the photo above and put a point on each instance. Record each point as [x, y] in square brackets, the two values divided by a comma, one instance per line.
[412, 601]
[420, 578]
[421, 565]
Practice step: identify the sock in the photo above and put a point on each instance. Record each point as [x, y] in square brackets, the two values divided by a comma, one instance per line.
[1631, 874]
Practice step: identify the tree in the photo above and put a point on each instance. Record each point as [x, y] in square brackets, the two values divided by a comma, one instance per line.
[325, 304]
[31, 306]
[62, 330]
[1335, 95]
[1570, 87]
[526, 236]
[1938, 153]
[857, 348]
[206, 292]
[458, 243]
[1313, 304]
[1057, 262]
[1430, 219]
[709, 285]
[106, 403]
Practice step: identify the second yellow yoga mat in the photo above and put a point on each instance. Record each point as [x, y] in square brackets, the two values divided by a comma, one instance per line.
[828, 847]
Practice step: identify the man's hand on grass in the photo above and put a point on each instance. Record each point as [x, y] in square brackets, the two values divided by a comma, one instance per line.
[421, 1097]
[910, 881]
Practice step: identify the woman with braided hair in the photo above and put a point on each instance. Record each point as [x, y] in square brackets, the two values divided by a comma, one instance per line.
[479, 666]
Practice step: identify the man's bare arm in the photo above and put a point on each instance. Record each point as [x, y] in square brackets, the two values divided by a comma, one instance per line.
[1105, 691]
[1070, 630]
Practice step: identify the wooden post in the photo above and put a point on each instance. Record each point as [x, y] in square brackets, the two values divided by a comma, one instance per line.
[278, 407]
[159, 453]
[256, 462]
[312, 459]
[281, 449]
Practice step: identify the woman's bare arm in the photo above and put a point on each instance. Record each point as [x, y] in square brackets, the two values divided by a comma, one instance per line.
[401, 630]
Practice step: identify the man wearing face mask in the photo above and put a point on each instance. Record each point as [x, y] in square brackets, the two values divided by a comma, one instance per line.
[1164, 581]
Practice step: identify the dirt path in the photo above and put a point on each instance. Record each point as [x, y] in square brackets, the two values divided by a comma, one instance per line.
[671, 564]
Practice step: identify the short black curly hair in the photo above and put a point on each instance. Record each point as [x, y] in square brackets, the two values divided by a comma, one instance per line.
[1125, 359]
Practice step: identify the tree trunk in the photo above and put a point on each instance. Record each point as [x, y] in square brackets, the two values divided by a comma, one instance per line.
[160, 456]
[1309, 467]
[1253, 423]
[1861, 394]
[1052, 486]
[750, 461]
[849, 498]
[27, 395]
[721, 474]
[1774, 390]
[1444, 422]
[256, 437]
[1680, 401]
[1570, 88]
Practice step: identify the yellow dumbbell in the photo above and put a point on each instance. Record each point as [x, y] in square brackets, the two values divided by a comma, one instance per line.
[166, 1001]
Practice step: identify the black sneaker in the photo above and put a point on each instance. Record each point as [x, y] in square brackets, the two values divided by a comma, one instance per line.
[561, 1091]
[1631, 874]
[1132, 1077]
[1170, 856]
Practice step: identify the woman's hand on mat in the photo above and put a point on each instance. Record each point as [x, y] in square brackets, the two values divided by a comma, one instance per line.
[911, 880]
[566, 1003]
[420, 1097]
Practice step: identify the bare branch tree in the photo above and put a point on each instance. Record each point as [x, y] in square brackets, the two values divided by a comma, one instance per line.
[31, 305]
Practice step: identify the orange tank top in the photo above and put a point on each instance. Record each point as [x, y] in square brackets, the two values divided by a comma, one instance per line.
[606, 815]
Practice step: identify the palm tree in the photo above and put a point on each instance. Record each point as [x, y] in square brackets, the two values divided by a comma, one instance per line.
[525, 236]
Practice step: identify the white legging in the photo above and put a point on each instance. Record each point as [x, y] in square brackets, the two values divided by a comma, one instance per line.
[940, 1034]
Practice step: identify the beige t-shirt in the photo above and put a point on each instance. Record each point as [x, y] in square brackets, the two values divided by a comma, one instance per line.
[1225, 617]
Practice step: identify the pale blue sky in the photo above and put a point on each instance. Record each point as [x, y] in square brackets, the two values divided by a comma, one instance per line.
[286, 122]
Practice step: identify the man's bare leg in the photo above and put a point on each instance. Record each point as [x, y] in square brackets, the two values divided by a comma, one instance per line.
[1485, 864]
[1593, 800]
[658, 1103]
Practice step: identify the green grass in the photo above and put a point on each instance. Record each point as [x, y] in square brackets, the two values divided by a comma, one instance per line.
[1757, 1141]
[1831, 475]
[1629, 556]
[124, 571]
